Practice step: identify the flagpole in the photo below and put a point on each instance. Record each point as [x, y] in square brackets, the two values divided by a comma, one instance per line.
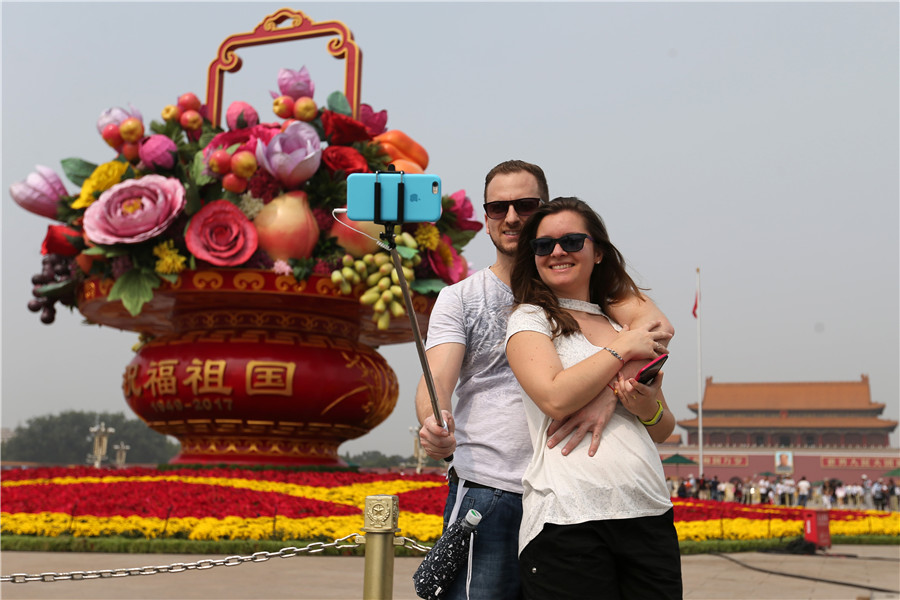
[698, 314]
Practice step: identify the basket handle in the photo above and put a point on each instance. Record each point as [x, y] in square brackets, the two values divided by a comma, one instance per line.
[270, 32]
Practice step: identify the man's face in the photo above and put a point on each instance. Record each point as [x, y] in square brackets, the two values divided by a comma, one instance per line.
[504, 232]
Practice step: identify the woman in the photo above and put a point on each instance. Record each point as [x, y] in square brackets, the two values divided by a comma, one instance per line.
[600, 526]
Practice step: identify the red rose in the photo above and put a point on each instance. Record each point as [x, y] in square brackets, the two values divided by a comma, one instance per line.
[342, 130]
[58, 241]
[344, 158]
[221, 234]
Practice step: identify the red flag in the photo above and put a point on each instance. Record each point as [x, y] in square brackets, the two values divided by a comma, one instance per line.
[696, 303]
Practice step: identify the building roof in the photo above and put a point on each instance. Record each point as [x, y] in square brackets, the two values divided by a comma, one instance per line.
[820, 396]
[777, 422]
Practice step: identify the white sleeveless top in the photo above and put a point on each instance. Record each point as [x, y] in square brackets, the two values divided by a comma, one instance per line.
[623, 480]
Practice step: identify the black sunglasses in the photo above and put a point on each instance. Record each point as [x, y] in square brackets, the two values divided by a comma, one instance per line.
[524, 207]
[571, 242]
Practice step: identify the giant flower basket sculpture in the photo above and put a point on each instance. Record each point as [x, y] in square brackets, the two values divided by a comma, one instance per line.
[258, 313]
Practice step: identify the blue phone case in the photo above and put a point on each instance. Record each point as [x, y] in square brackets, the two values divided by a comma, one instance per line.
[421, 201]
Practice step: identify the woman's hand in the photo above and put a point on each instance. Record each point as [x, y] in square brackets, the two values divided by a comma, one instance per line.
[642, 342]
[637, 398]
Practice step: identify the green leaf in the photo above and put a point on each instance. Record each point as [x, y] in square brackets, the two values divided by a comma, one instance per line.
[197, 174]
[427, 286]
[406, 252]
[460, 238]
[337, 102]
[57, 289]
[107, 251]
[77, 170]
[134, 289]
[170, 277]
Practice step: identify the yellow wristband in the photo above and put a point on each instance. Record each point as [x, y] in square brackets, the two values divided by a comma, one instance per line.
[656, 417]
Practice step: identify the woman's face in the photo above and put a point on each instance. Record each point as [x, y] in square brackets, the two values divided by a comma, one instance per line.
[567, 273]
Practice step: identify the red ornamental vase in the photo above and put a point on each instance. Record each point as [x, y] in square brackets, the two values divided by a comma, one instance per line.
[250, 367]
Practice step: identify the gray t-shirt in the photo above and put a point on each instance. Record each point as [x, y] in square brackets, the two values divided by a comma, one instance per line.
[492, 442]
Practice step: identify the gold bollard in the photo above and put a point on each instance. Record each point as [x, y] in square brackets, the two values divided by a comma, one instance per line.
[381, 517]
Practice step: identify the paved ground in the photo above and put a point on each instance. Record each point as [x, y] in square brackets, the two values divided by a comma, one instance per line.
[844, 572]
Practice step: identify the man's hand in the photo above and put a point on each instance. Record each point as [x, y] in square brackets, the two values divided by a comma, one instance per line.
[593, 417]
[438, 443]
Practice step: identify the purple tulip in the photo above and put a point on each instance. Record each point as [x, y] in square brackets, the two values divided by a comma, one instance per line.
[117, 115]
[295, 84]
[157, 152]
[292, 156]
[40, 192]
[134, 210]
[236, 110]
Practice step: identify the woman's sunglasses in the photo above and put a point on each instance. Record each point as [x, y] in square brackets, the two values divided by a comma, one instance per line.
[524, 207]
[571, 242]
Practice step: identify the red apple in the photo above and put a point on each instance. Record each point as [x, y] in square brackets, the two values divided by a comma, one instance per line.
[220, 161]
[283, 106]
[233, 183]
[131, 129]
[189, 101]
[112, 136]
[287, 227]
[131, 151]
[243, 164]
[356, 244]
[191, 120]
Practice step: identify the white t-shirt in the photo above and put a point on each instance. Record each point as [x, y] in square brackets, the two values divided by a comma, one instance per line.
[623, 480]
[492, 442]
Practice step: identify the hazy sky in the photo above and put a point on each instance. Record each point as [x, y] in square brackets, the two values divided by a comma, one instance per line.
[758, 142]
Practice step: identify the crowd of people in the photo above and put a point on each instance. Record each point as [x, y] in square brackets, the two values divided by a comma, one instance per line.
[864, 494]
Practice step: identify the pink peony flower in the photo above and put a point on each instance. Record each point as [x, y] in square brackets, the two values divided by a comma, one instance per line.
[134, 210]
[295, 84]
[375, 122]
[40, 192]
[116, 115]
[221, 234]
[446, 262]
[463, 211]
[238, 111]
[292, 156]
[157, 152]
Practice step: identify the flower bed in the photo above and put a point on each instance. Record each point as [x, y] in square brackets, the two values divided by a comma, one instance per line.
[217, 504]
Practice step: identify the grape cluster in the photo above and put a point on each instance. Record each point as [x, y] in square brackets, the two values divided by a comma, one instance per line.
[53, 284]
[383, 292]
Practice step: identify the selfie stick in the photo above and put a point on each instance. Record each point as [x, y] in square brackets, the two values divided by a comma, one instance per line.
[388, 236]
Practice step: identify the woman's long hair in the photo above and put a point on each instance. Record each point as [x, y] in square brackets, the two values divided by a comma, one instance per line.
[609, 284]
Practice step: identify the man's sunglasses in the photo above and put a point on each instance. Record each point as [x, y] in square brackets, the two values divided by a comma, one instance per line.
[571, 242]
[524, 207]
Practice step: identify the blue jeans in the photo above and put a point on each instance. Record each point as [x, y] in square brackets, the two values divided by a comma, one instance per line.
[495, 558]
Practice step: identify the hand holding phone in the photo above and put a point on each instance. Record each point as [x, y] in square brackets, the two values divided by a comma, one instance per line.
[651, 369]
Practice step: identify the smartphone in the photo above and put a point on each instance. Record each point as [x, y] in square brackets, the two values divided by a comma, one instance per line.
[650, 370]
[421, 197]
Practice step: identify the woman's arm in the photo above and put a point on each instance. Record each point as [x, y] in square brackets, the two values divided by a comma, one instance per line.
[559, 392]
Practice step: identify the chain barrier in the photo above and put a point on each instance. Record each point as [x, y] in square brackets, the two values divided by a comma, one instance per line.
[200, 565]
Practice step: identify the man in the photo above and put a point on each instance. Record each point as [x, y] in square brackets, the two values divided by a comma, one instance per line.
[488, 434]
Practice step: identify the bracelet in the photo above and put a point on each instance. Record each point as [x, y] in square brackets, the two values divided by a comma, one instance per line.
[656, 417]
[614, 353]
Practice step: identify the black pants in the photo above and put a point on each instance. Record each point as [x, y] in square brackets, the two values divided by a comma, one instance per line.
[617, 560]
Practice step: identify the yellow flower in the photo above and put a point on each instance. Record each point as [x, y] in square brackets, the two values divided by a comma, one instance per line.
[104, 177]
[169, 259]
[427, 236]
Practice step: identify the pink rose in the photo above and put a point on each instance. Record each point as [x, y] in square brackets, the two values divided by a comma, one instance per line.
[134, 210]
[157, 152]
[221, 234]
[40, 192]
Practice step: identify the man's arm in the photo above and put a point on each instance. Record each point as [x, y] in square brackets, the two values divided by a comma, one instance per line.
[444, 362]
[634, 311]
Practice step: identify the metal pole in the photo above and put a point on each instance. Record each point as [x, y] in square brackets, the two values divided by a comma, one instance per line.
[699, 377]
[382, 514]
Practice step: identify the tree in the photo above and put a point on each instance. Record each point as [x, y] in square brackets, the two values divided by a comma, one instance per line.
[65, 439]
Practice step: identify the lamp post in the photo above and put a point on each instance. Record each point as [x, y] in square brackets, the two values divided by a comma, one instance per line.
[101, 435]
[121, 448]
